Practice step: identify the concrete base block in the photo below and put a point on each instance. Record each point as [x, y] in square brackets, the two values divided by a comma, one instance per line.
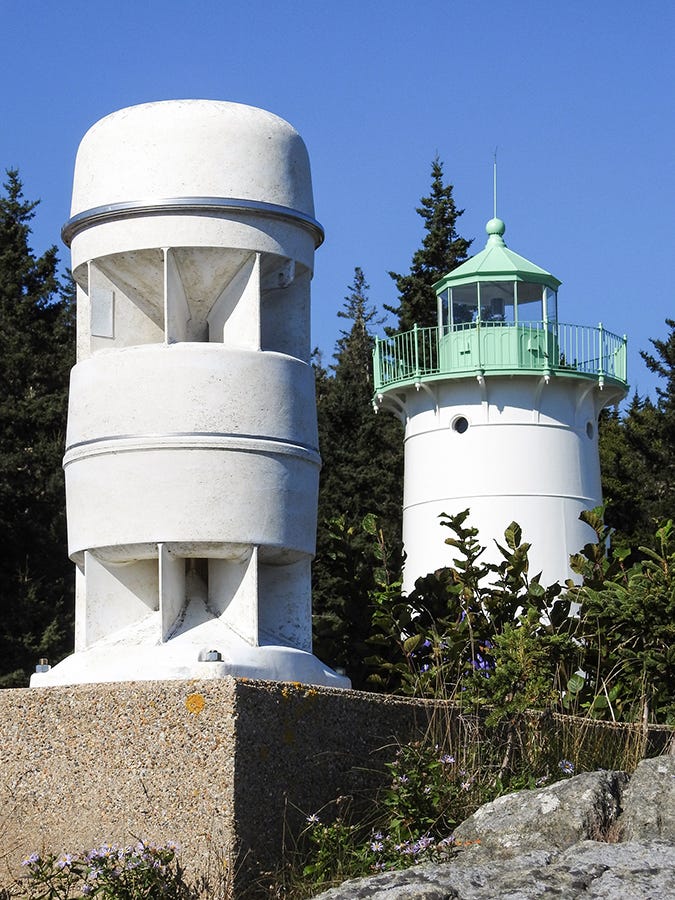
[218, 766]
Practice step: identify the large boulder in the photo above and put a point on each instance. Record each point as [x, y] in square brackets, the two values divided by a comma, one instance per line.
[556, 816]
[589, 836]
[649, 801]
[588, 870]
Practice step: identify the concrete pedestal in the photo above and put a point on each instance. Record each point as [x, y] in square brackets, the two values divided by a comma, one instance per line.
[218, 766]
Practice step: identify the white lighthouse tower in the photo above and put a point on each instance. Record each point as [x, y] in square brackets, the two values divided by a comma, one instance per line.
[192, 457]
[500, 404]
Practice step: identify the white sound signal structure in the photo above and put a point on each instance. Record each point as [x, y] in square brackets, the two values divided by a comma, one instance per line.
[192, 457]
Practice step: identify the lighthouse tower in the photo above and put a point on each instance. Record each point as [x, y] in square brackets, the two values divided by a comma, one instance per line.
[500, 404]
[191, 451]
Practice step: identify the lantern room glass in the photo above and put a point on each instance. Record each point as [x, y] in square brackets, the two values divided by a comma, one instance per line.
[530, 302]
[464, 304]
[551, 305]
[444, 309]
[497, 302]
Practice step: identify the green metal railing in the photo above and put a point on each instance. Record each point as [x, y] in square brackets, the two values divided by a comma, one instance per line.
[498, 348]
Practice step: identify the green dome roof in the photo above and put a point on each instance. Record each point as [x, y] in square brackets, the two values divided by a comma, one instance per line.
[497, 263]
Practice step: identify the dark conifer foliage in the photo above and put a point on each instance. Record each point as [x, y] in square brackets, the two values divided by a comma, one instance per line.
[37, 349]
[442, 250]
[623, 475]
[661, 453]
[637, 455]
[362, 474]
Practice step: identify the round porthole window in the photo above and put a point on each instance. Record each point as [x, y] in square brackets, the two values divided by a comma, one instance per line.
[460, 424]
[589, 429]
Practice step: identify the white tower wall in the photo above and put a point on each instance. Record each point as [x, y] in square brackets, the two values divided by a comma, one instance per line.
[529, 454]
[192, 452]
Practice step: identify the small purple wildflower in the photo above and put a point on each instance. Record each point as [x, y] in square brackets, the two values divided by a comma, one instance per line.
[447, 759]
[377, 846]
[566, 767]
[31, 860]
[483, 665]
[313, 819]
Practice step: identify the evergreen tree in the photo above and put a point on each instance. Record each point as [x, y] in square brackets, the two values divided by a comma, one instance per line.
[442, 250]
[625, 472]
[362, 451]
[660, 452]
[362, 474]
[36, 353]
[637, 455]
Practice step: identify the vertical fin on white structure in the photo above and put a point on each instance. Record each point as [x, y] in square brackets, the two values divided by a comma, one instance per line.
[172, 591]
[284, 309]
[233, 594]
[80, 608]
[176, 308]
[234, 319]
[83, 315]
[117, 595]
[286, 604]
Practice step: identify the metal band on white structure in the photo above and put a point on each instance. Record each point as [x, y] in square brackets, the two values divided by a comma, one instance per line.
[114, 212]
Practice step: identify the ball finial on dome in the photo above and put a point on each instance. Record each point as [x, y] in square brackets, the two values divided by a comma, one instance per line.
[495, 226]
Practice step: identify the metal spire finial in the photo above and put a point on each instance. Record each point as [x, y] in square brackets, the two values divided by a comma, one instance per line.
[494, 186]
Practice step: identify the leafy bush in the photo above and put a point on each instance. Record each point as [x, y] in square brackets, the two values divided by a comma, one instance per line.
[627, 628]
[489, 634]
[476, 631]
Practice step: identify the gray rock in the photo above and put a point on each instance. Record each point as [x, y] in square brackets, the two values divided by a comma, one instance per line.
[556, 816]
[589, 869]
[544, 843]
[649, 801]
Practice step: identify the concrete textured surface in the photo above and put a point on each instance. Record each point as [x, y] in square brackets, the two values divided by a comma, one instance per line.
[217, 766]
[94, 763]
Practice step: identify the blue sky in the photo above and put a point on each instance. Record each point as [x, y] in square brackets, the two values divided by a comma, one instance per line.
[577, 96]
